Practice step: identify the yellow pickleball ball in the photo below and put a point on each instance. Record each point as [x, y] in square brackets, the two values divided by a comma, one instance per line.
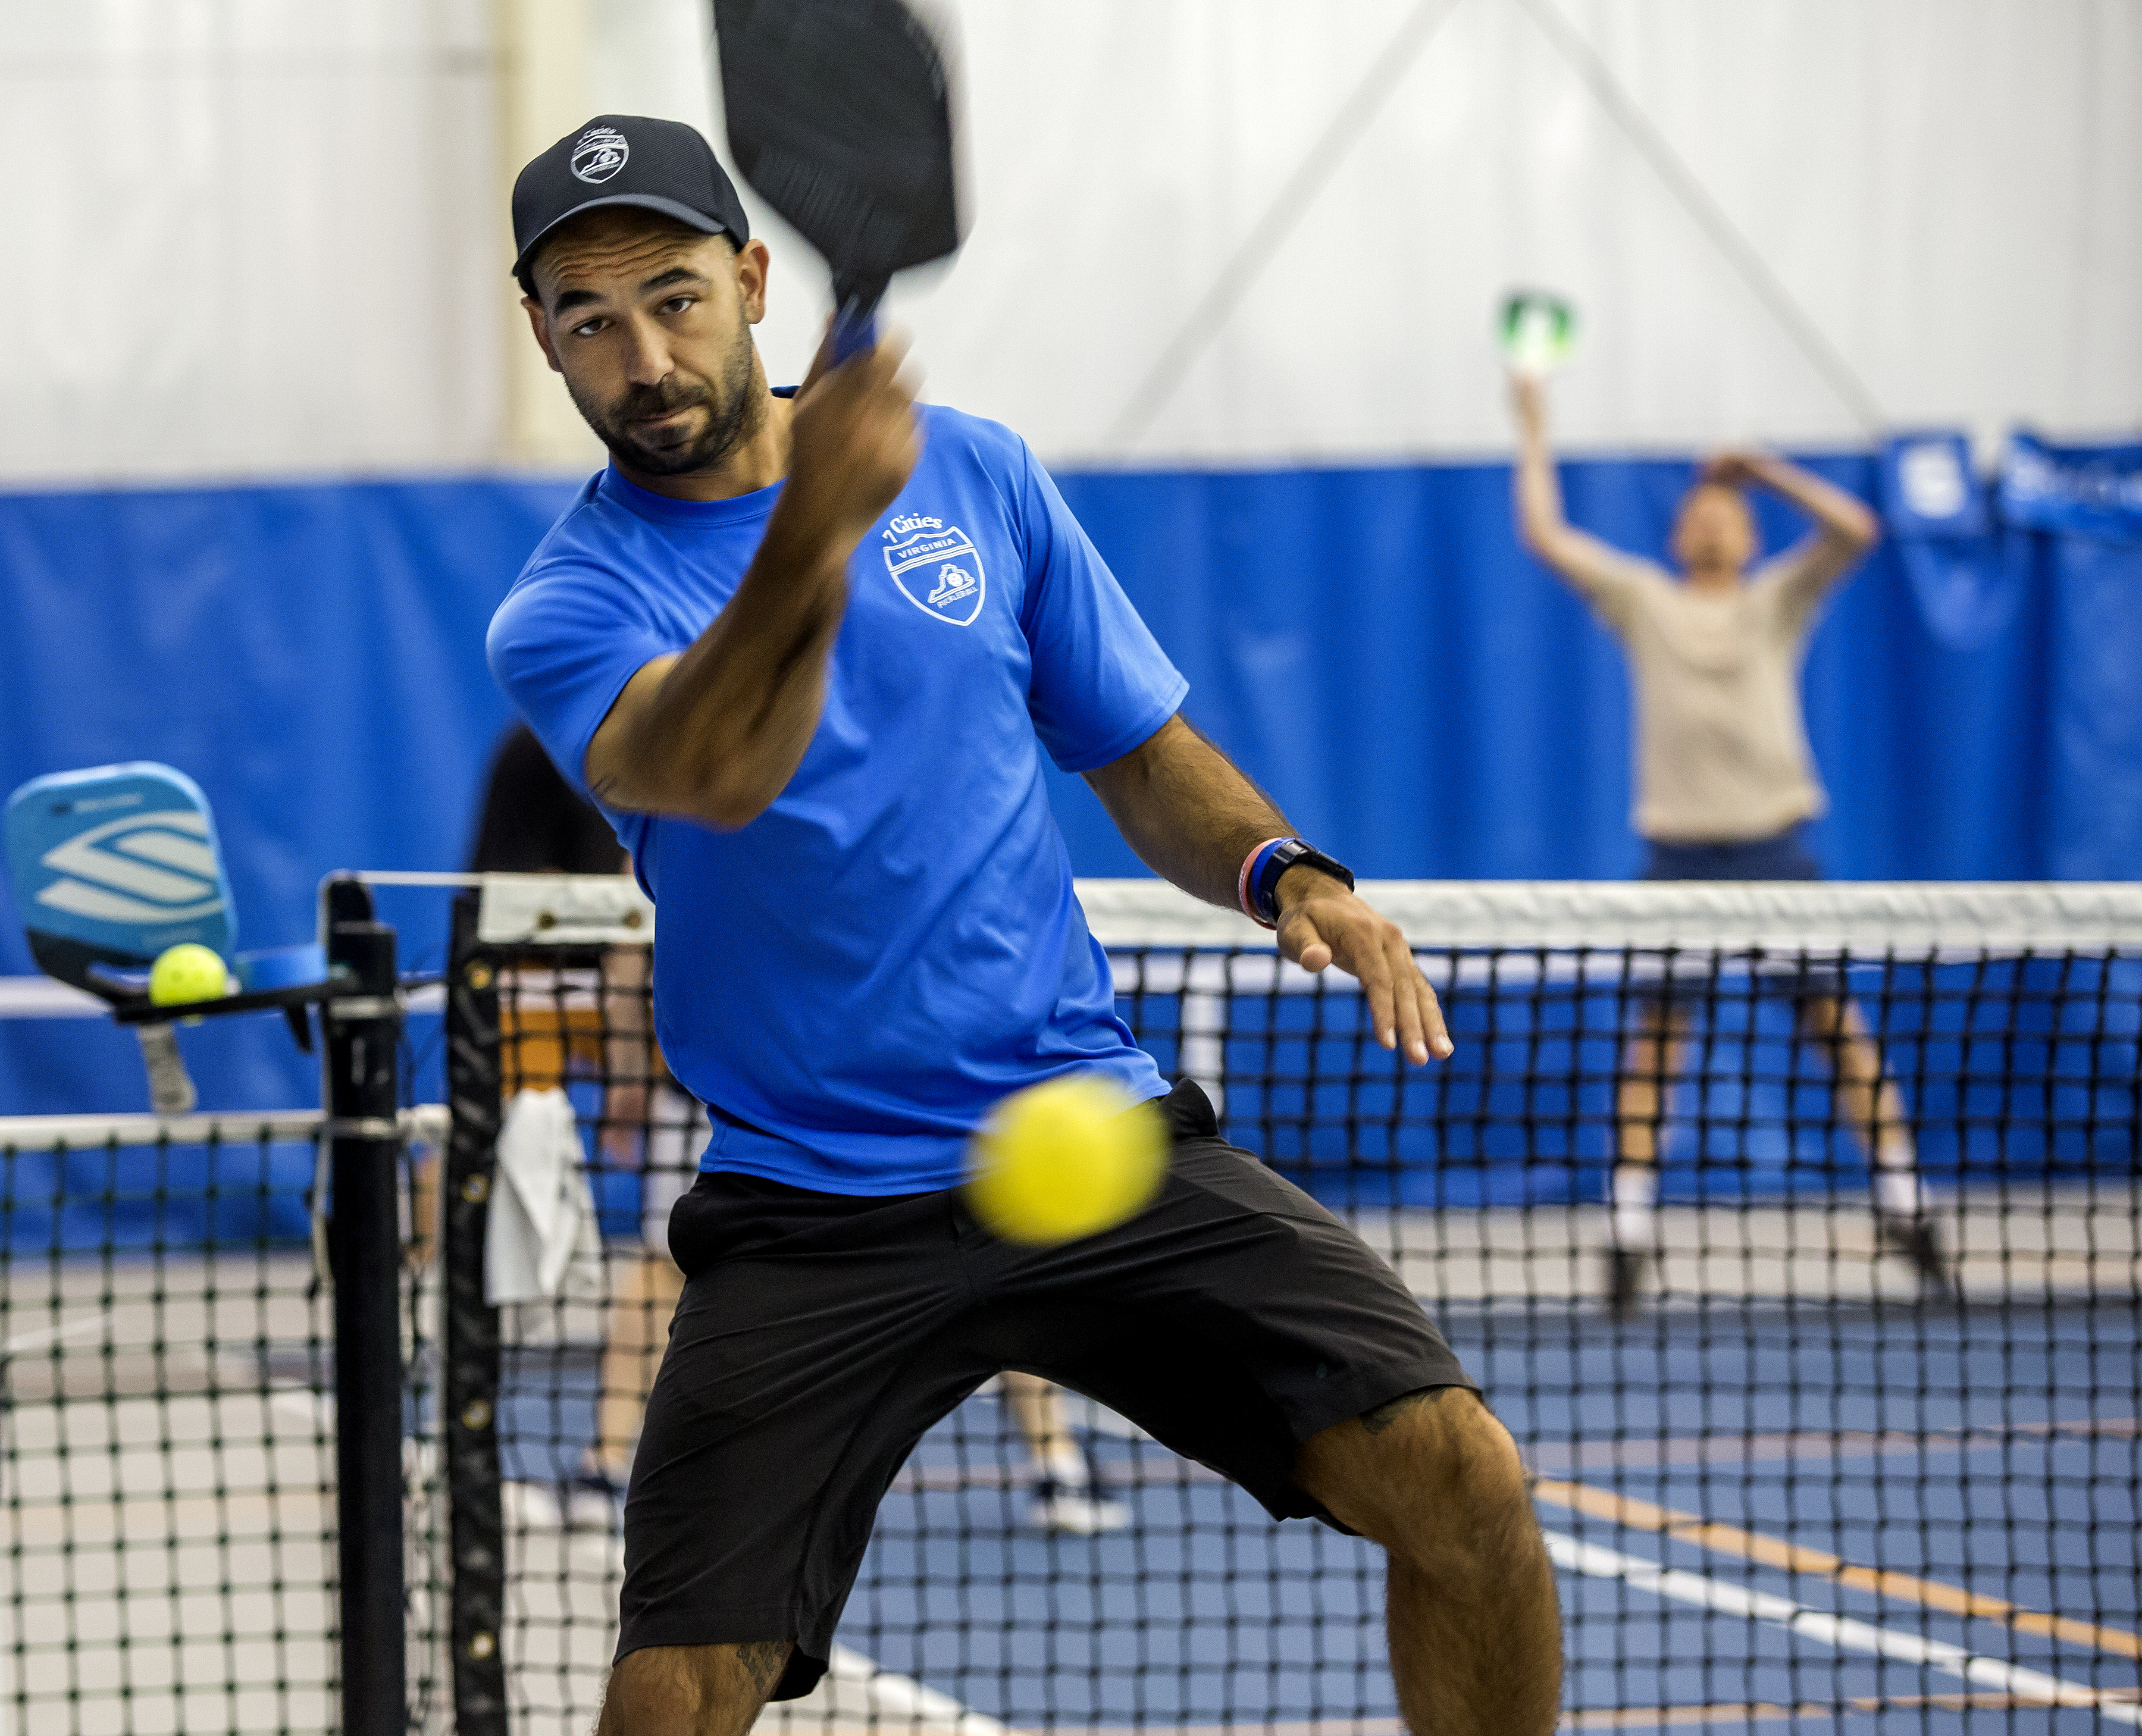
[1065, 1158]
[188, 972]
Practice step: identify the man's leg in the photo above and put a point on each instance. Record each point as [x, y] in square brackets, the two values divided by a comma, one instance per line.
[691, 1691]
[1475, 1633]
[1869, 1103]
[640, 1305]
[1068, 1494]
[644, 1293]
[812, 1349]
[1651, 1061]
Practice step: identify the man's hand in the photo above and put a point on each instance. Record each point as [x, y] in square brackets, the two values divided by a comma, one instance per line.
[1848, 525]
[1323, 923]
[852, 445]
[623, 1123]
[1733, 469]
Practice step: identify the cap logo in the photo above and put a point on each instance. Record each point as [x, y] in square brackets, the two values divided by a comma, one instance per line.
[599, 153]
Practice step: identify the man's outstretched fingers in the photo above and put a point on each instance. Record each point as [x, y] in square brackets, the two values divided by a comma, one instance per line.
[1299, 941]
[1372, 966]
[1406, 985]
[1434, 1032]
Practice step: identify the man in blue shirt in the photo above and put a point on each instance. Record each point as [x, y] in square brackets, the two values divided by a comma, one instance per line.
[805, 650]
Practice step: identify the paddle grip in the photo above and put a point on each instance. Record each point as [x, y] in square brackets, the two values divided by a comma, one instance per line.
[171, 1091]
[855, 322]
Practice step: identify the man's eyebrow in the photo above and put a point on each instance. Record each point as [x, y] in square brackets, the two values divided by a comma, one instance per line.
[674, 274]
[568, 299]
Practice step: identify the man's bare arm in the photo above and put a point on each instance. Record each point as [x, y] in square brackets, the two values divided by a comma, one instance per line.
[715, 732]
[1193, 816]
[629, 1064]
[1585, 561]
[1845, 529]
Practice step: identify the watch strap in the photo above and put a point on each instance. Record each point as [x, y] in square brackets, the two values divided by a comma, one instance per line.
[1263, 867]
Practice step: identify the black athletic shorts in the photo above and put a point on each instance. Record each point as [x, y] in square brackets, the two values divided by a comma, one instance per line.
[821, 1335]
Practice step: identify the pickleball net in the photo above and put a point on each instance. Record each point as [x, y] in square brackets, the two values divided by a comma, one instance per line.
[1796, 1476]
[168, 1443]
[1825, 1460]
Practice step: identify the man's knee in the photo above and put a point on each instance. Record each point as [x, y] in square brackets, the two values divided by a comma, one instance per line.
[1432, 1464]
[1464, 1453]
[691, 1689]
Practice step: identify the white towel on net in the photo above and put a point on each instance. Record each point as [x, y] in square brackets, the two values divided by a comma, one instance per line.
[543, 1240]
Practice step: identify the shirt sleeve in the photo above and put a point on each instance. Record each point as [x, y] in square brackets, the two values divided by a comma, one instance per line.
[563, 645]
[1796, 582]
[1613, 583]
[1100, 683]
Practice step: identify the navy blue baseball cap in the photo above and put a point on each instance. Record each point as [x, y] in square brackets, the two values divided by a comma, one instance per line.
[624, 160]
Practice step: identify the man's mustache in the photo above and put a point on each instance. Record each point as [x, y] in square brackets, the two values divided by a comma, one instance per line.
[646, 401]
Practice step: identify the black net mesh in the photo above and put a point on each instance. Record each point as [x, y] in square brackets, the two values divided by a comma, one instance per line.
[168, 1446]
[1807, 1280]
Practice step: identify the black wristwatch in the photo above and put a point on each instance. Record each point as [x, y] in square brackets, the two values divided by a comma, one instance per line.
[1288, 853]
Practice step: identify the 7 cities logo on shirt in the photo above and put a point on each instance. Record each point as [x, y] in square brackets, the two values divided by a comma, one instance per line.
[936, 567]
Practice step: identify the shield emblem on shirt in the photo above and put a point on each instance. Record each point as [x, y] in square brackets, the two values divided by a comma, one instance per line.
[940, 571]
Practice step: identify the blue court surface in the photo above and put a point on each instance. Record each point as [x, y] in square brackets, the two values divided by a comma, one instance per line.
[1825, 1504]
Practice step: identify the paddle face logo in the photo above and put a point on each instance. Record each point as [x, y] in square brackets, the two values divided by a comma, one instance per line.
[155, 867]
[936, 567]
[599, 153]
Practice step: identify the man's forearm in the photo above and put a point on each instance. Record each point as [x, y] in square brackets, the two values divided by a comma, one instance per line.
[732, 719]
[1193, 816]
[1841, 515]
[1187, 811]
[1538, 488]
[1539, 491]
[715, 733]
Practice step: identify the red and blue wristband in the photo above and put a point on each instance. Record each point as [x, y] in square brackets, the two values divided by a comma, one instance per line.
[1256, 887]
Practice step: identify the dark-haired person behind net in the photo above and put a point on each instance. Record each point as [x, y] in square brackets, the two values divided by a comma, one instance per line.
[1725, 785]
[806, 649]
[532, 822]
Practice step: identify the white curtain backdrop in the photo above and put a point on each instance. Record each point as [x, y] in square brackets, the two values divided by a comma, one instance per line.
[266, 236]
[246, 236]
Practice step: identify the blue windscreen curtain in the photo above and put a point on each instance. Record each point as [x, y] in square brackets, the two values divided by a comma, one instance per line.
[1372, 644]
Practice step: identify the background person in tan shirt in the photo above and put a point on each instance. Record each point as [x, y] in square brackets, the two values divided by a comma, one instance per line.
[1725, 785]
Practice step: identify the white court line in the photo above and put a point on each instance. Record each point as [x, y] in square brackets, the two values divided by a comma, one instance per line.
[1840, 1631]
[303, 1404]
[904, 1697]
[52, 1335]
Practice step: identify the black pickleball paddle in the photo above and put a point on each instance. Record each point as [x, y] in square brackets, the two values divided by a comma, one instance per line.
[840, 116]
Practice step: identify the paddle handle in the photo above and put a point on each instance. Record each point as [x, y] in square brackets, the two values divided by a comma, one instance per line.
[171, 1091]
[855, 319]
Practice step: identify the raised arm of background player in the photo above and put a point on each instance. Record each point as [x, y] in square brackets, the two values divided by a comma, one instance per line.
[715, 732]
[1844, 528]
[1586, 562]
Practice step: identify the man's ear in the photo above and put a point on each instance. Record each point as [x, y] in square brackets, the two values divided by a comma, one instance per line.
[540, 326]
[750, 263]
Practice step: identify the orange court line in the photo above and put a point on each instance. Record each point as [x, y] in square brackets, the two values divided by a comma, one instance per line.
[1625, 1510]
[1762, 1712]
[1622, 1717]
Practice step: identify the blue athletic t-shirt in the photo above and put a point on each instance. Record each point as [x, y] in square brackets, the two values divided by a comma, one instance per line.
[855, 977]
